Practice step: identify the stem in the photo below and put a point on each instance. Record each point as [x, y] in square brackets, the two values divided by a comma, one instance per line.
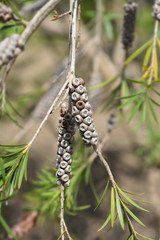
[153, 52]
[62, 212]
[65, 226]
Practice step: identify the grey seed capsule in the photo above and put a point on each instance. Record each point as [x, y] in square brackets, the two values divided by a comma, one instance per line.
[75, 96]
[59, 182]
[88, 134]
[66, 156]
[84, 113]
[67, 136]
[65, 178]
[83, 127]
[69, 149]
[61, 151]
[59, 158]
[21, 43]
[90, 113]
[88, 120]
[63, 164]
[75, 110]
[78, 119]
[64, 143]
[94, 141]
[62, 130]
[80, 105]
[67, 183]
[94, 134]
[68, 169]
[59, 172]
[9, 53]
[87, 105]
[84, 97]
[71, 129]
[76, 82]
[86, 142]
[80, 89]
[58, 144]
[70, 162]
[67, 117]
[91, 127]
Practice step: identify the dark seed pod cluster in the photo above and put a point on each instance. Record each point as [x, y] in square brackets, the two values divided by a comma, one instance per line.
[111, 122]
[81, 110]
[156, 10]
[10, 48]
[129, 24]
[65, 146]
[6, 13]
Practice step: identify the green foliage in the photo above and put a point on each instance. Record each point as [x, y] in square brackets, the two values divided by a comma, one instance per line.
[13, 167]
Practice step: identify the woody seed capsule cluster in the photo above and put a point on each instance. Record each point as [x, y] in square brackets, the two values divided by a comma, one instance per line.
[10, 48]
[156, 10]
[6, 13]
[81, 110]
[129, 24]
[65, 146]
[111, 122]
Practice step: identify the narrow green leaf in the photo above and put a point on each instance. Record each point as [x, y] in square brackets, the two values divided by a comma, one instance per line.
[147, 57]
[80, 208]
[155, 64]
[152, 100]
[8, 197]
[11, 116]
[125, 90]
[103, 195]
[132, 214]
[107, 82]
[144, 237]
[105, 223]
[112, 207]
[6, 227]
[2, 169]
[152, 111]
[119, 211]
[136, 81]
[144, 111]
[127, 102]
[139, 51]
[133, 95]
[61, 235]
[87, 173]
[22, 169]
[135, 109]
[129, 200]
[93, 188]
[158, 93]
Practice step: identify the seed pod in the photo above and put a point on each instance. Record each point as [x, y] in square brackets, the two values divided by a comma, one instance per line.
[66, 184]
[83, 127]
[84, 113]
[76, 82]
[129, 24]
[156, 10]
[81, 110]
[80, 89]
[65, 145]
[6, 13]
[75, 96]
[65, 178]
[63, 164]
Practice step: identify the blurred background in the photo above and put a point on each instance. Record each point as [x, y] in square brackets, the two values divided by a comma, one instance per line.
[131, 149]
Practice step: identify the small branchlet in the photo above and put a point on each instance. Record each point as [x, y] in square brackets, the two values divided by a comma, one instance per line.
[129, 24]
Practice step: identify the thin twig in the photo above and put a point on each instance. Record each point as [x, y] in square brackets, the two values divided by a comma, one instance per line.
[66, 229]
[62, 212]
[153, 52]
[47, 115]
[79, 23]
[60, 16]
